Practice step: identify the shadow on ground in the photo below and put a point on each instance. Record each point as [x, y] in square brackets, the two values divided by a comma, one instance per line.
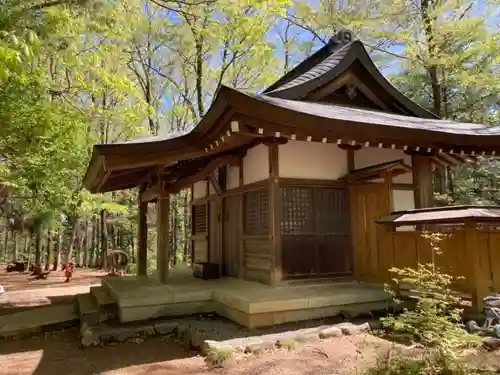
[59, 352]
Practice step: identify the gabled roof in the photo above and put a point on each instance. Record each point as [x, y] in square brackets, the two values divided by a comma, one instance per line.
[373, 172]
[348, 64]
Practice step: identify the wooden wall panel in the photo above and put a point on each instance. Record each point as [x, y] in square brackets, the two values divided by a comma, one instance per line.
[200, 251]
[257, 260]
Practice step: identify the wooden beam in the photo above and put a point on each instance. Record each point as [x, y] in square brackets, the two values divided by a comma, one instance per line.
[422, 179]
[215, 183]
[346, 147]
[330, 87]
[275, 214]
[162, 236]
[151, 193]
[222, 177]
[227, 159]
[142, 239]
[447, 159]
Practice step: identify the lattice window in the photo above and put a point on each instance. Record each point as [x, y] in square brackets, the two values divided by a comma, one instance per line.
[332, 210]
[200, 219]
[256, 209]
[297, 214]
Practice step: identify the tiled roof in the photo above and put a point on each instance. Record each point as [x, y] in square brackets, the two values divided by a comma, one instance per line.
[362, 115]
[317, 70]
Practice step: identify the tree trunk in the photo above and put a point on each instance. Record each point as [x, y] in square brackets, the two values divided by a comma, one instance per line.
[27, 237]
[48, 250]
[14, 246]
[86, 244]
[93, 246]
[104, 239]
[97, 250]
[57, 255]
[30, 247]
[38, 244]
[6, 243]
[72, 241]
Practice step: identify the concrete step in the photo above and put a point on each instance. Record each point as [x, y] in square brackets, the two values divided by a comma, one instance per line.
[102, 296]
[107, 305]
[88, 310]
[36, 319]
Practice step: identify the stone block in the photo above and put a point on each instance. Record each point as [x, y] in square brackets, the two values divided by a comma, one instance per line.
[307, 337]
[259, 347]
[330, 332]
[353, 329]
[165, 328]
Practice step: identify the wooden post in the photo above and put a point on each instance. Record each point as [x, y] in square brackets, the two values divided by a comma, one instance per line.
[142, 239]
[275, 213]
[471, 246]
[350, 159]
[422, 181]
[162, 236]
[240, 222]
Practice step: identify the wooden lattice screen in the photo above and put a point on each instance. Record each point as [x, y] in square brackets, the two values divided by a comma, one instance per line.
[315, 231]
[297, 210]
[200, 219]
[256, 212]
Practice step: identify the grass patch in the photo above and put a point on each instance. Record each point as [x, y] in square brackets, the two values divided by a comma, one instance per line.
[289, 344]
[217, 357]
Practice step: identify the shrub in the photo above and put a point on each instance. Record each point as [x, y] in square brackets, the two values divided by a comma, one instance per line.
[436, 319]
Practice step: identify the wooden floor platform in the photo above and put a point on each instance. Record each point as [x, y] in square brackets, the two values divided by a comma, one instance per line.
[247, 303]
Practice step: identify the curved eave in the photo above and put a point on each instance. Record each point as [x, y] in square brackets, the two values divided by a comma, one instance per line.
[357, 52]
[145, 153]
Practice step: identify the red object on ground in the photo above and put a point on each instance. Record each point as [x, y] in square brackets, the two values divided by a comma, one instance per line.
[68, 272]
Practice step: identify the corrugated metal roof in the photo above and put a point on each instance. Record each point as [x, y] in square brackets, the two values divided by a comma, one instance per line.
[443, 215]
[361, 115]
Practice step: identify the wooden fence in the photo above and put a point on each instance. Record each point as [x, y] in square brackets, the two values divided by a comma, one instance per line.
[469, 253]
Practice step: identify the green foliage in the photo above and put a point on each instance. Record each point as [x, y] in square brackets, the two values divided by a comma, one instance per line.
[396, 365]
[435, 321]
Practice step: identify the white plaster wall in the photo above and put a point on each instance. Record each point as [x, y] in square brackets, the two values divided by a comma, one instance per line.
[199, 189]
[256, 164]
[403, 200]
[313, 160]
[368, 156]
[233, 177]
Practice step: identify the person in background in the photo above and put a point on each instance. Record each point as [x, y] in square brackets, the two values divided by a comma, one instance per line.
[68, 271]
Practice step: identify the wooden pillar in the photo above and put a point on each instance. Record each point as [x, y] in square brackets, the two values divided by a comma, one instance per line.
[275, 213]
[422, 181]
[162, 236]
[473, 260]
[350, 159]
[241, 214]
[142, 239]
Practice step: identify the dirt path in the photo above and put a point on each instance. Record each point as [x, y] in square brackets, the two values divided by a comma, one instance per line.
[21, 290]
[59, 353]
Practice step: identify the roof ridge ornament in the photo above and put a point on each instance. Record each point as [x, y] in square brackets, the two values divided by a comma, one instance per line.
[343, 37]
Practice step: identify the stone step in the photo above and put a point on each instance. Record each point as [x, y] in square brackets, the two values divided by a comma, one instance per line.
[107, 305]
[101, 296]
[88, 309]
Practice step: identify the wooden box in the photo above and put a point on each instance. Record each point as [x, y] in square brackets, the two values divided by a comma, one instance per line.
[206, 271]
